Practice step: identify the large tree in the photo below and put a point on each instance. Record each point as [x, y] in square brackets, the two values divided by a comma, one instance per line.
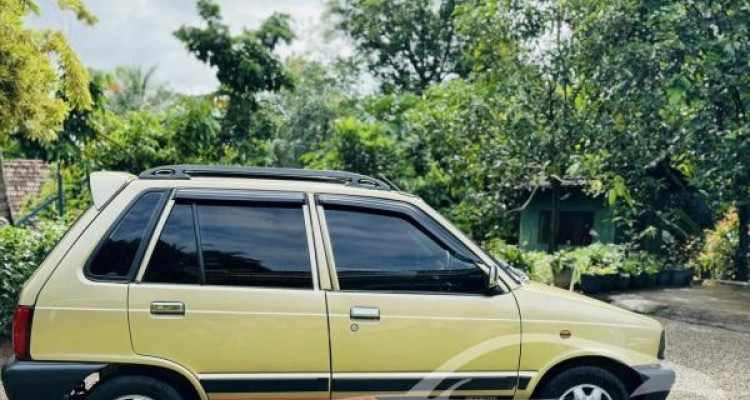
[407, 44]
[246, 66]
[34, 65]
[713, 88]
[676, 82]
[304, 116]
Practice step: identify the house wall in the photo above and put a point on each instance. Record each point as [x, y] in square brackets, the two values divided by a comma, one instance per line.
[21, 182]
[529, 229]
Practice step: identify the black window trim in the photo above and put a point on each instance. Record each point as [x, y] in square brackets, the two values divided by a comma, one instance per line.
[434, 229]
[198, 243]
[142, 247]
[240, 195]
[196, 196]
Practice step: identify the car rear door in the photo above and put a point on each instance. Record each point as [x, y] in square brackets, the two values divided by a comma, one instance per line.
[229, 289]
[409, 314]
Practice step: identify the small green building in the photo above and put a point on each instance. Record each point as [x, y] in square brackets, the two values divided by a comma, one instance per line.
[583, 219]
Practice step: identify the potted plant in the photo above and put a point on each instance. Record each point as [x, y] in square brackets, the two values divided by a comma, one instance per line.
[562, 271]
[622, 282]
[665, 276]
[591, 283]
[653, 267]
[680, 277]
[633, 266]
[609, 278]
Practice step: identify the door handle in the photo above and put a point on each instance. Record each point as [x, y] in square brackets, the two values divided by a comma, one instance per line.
[175, 308]
[365, 313]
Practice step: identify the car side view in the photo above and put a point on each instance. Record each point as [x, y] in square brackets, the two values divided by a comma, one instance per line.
[198, 282]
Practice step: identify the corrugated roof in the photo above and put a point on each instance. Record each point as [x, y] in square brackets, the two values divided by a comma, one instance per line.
[21, 179]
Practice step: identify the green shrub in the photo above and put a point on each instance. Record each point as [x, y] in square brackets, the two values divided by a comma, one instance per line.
[595, 259]
[641, 261]
[601, 259]
[21, 252]
[540, 266]
[716, 259]
[562, 260]
[536, 264]
[508, 253]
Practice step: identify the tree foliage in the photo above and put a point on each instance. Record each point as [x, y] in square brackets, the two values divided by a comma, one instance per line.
[304, 117]
[408, 44]
[34, 65]
[134, 89]
[246, 66]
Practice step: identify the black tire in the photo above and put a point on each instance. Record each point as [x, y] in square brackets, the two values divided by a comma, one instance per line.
[116, 388]
[556, 387]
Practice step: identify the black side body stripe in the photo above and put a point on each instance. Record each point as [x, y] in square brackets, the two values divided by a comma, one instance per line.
[286, 385]
[439, 384]
[265, 385]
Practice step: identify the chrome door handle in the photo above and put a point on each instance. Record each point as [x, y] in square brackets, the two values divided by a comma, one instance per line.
[366, 313]
[175, 308]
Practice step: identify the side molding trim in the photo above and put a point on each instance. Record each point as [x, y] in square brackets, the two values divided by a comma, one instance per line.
[363, 382]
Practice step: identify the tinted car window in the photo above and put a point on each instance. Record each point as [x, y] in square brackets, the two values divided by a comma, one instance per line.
[391, 252]
[255, 245]
[115, 255]
[175, 256]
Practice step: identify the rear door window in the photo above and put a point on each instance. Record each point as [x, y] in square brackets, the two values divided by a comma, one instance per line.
[255, 245]
[175, 256]
[229, 243]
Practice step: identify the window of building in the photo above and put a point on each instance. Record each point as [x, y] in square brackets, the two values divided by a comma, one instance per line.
[576, 228]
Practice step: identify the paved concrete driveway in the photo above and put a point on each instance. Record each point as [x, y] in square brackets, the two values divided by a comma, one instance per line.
[720, 306]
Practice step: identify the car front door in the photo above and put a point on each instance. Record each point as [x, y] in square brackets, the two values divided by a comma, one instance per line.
[229, 290]
[410, 314]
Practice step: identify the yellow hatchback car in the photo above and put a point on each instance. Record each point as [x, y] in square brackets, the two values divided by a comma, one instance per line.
[197, 282]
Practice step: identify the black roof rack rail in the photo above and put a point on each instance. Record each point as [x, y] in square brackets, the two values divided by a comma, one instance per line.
[190, 171]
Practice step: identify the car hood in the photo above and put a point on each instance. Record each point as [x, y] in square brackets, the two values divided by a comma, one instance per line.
[563, 304]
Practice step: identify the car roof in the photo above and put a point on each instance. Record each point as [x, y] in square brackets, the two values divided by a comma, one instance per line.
[183, 172]
[249, 178]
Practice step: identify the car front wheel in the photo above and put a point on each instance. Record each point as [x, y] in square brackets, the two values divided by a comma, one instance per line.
[583, 383]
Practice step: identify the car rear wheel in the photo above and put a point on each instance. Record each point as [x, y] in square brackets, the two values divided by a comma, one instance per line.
[583, 383]
[133, 388]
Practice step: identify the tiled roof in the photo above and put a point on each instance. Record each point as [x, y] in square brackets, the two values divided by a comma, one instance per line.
[21, 179]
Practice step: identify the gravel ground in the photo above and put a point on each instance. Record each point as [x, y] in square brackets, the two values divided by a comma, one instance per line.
[711, 363]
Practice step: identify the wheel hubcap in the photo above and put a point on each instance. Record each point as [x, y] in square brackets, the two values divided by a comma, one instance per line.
[134, 397]
[586, 392]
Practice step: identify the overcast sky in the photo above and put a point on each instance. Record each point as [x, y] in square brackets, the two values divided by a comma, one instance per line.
[139, 33]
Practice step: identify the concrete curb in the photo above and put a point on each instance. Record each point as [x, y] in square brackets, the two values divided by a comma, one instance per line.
[740, 285]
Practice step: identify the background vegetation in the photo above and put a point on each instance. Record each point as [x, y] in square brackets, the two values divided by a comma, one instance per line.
[478, 104]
